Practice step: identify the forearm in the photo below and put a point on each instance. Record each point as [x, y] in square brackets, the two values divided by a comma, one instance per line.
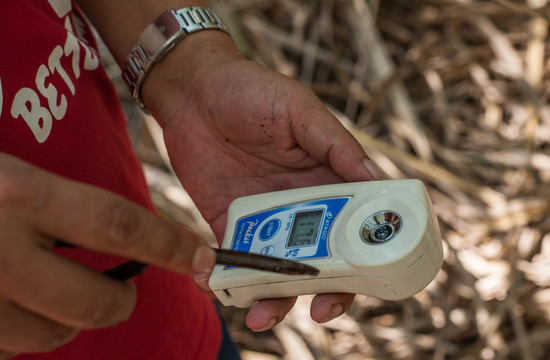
[121, 22]
[168, 82]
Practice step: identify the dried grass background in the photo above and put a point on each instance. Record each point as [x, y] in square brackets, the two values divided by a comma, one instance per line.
[453, 92]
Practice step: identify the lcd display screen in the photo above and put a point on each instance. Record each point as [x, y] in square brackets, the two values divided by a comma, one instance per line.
[305, 228]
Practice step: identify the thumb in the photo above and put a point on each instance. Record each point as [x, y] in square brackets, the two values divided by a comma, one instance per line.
[330, 142]
[95, 219]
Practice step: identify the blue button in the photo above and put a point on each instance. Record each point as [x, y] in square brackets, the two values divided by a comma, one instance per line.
[270, 229]
[268, 250]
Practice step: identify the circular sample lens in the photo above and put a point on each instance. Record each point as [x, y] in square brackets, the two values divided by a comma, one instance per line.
[381, 227]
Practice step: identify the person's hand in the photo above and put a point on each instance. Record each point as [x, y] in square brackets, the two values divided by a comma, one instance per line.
[46, 299]
[233, 128]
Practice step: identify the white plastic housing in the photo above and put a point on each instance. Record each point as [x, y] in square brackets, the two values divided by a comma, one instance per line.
[391, 270]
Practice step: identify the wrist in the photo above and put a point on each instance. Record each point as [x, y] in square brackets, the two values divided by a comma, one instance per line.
[171, 81]
[160, 37]
[121, 22]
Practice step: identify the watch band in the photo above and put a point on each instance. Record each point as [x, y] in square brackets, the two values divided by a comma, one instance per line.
[160, 37]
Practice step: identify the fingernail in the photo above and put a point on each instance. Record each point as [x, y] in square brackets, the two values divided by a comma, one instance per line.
[271, 323]
[373, 170]
[201, 280]
[200, 277]
[203, 260]
[335, 311]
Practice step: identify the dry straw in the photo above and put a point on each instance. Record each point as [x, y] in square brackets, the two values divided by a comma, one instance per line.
[453, 92]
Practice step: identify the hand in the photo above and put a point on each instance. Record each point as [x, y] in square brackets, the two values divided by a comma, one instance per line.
[46, 299]
[233, 128]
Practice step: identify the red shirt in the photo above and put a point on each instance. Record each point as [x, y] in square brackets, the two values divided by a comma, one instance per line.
[59, 111]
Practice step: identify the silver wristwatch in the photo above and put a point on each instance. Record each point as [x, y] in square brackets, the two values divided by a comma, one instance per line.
[160, 37]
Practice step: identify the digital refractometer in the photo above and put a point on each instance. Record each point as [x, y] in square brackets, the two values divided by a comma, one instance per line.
[378, 238]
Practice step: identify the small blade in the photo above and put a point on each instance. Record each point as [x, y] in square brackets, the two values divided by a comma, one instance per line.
[130, 269]
[126, 270]
[122, 272]
[264, 263]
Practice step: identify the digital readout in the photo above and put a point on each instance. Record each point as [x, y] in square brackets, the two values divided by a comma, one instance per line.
[305, 228]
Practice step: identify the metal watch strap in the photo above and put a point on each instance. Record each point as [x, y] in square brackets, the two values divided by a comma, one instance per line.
[160, 37]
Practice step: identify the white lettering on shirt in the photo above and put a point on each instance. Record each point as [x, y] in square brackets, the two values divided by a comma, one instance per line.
[57, 107]
[91, 60]
[61, 7]
[73, 47]
[29, 103]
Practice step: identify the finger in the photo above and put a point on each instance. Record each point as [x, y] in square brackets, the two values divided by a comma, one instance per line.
[326, 139]
[99, 220]
[265, 314]
[326, 307]
[61, 290]
[24, 331]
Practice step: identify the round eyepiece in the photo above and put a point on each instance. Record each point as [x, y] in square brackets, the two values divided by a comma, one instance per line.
[382, 233]
[381, 227]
